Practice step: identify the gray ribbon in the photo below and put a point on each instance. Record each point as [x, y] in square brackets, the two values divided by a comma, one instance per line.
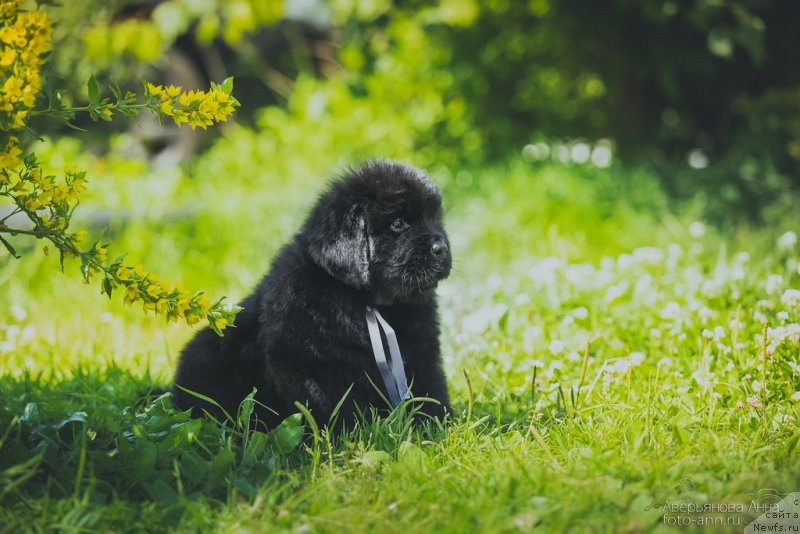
[392, 371]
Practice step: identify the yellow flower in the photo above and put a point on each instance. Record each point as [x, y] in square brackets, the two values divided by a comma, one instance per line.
[154, 291]
[131, 294]
[139, 271]
[7, 56]
[9, 157]
[78, 186]
[123, 273]
[182, 307]
[220, 323]
[162, 306]
[165, 108]
[12, 34]
[204, 304]
[101, 251]
[154, 90]
[186, 99]
[173, 91]
[9, 7]
[13, 87]
[28, 36]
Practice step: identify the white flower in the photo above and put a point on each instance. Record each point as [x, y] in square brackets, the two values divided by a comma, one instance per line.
[614, 292]
[754, 402]
[568, 321]
[537, 363]
[574, 356]
[18, 312]
[556, 365]
[774, 283]
[719, 332]
[624, 261]
[580, 313]
[671, 311]
[708, 334]
[556, 347]
[793, 331]
[651, 255]
[787, 241]
[697, 229]
[12, 332]
[28, 333]
[783, 316]
[674, 250]
[636, 358]
[705, 313]
[790, 297]
[796, 396]
[703, 379]
[621, 366]
[522, 299]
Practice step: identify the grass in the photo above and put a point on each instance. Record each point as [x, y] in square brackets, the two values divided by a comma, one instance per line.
[678, 396]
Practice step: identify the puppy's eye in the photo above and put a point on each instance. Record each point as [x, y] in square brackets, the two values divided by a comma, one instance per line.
[398, 225]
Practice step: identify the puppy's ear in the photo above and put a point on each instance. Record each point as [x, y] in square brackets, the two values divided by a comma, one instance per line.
[339, 243]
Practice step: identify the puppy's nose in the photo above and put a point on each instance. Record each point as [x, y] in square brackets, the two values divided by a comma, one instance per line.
[439, 247]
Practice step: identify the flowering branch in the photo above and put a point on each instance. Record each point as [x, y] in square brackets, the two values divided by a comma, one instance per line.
[49, 202]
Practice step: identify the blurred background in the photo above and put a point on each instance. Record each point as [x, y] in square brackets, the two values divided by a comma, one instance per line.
[705, 93]
[563, 128]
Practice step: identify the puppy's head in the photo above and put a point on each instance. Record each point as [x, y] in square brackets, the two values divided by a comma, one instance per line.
[379, 228]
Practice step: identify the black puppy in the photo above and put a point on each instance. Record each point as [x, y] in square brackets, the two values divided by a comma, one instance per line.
[373, 240]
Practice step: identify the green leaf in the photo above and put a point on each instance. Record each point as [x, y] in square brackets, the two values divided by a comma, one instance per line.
[94, 91]
[221, 463]
[288, 435]
[68, 124]
[246, 409]
[143, 463]
[244, 486]
[161, 491]
[256, 444]
[9, 247]
[207, 399]
[108, 287]
[115, 90]
[77, 417]
[227, 85]
[29, 414]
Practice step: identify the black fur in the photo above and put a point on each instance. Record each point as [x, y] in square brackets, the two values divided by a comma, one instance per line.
[302, 335]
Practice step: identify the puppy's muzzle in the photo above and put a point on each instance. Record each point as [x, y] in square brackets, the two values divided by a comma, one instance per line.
[439, 247]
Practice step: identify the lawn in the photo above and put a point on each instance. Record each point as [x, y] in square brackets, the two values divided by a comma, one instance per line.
[608, 353]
